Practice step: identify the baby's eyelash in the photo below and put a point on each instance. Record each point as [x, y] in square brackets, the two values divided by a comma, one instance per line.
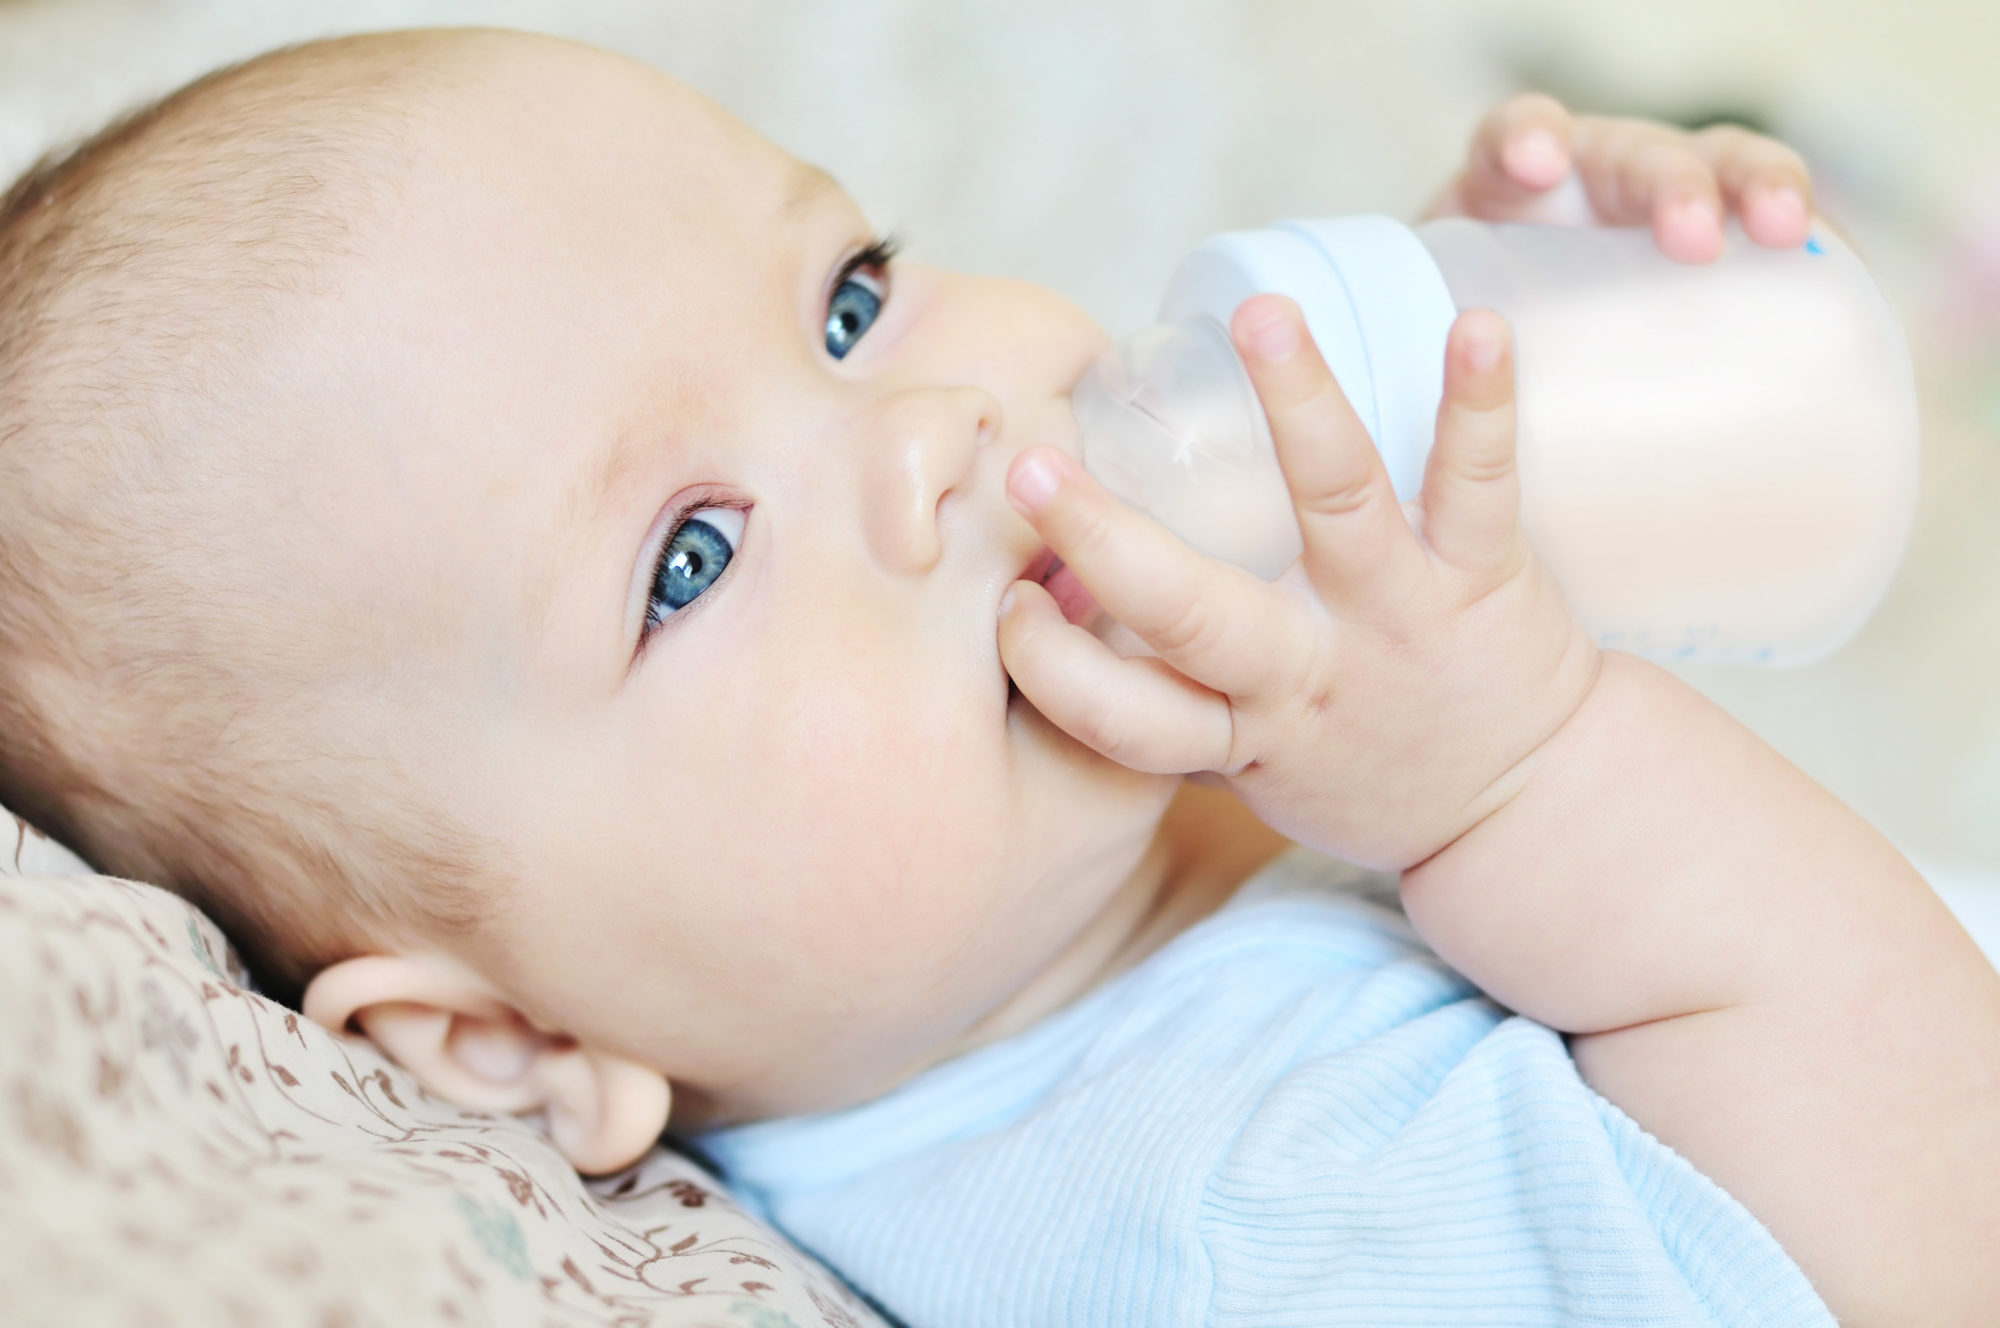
[878, 253]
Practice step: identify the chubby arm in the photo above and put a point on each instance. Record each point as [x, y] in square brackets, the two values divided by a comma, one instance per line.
[1743, 965]
[1755, 976]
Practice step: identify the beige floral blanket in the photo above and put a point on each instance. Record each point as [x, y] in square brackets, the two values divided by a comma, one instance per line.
[175, 1149]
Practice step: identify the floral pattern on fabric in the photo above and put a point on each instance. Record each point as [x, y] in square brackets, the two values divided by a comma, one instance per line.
[176, 1149]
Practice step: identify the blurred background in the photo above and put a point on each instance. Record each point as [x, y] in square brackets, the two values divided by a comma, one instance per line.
[1087, 144]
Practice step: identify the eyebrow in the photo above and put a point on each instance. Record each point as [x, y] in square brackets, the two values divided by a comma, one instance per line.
[808, 185]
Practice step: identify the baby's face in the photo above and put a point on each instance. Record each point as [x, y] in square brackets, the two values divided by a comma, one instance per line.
[685, 543]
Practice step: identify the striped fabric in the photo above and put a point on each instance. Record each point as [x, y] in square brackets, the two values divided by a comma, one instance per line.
[1292, 1115]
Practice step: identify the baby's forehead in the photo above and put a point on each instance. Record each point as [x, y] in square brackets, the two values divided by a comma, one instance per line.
[564, 188]
[556, 116]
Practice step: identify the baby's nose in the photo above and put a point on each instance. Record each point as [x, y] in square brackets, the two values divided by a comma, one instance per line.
[924, 445]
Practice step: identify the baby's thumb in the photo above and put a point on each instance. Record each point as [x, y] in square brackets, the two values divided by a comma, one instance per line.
[1139, 712]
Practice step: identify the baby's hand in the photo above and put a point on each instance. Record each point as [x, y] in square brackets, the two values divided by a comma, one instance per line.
[1531, 160]
[1383, 695]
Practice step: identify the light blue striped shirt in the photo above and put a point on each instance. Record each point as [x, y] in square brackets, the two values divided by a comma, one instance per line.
[1293, 1114]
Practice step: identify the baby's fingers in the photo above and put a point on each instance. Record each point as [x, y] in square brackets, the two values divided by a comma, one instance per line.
[1639, 172]
[1471, 495]
[1139, 712]
[1766, 182]
[1215, 623]
[1359, 553]
[1519, 152]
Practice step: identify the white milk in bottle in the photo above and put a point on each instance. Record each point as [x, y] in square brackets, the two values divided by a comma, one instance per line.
[1718, 462]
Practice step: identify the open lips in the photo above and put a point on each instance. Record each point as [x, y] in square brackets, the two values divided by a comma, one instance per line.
[1053, 575]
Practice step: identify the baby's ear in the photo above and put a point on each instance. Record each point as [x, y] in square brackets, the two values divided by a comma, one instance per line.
[464, 1043]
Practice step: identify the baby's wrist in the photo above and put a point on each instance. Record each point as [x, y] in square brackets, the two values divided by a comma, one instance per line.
[1578, 677]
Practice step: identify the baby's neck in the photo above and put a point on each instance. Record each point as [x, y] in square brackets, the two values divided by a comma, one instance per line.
[1207, 844]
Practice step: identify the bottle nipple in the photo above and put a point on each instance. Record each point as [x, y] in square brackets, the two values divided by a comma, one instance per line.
[1171, 424]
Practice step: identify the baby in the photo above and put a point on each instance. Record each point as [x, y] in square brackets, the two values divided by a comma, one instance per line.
[512, 544]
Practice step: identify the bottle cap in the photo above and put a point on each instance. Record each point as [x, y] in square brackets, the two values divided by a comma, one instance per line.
[1374, 301]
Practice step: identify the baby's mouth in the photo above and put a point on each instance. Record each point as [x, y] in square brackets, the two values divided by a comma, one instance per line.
[1078, 605]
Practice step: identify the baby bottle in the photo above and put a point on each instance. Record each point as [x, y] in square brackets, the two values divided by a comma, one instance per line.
[1717, 462]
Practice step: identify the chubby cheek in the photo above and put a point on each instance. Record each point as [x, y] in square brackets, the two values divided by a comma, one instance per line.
[809, 872]
[884, 816]
[840, 856]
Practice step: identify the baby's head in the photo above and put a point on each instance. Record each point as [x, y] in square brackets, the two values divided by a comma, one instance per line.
[466, 500]
[157, 290]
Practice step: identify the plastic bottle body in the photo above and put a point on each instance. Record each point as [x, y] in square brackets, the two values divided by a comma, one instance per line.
[1717, 463]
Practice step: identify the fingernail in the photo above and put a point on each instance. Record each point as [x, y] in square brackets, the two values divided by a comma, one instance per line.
[1783, 207]
[1271, 335]
[1006, 601]
[1537, 154]
[1032, 483]
[1698, 212]
[1482, 346]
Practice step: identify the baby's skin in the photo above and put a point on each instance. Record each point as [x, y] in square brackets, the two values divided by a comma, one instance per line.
[781, 837]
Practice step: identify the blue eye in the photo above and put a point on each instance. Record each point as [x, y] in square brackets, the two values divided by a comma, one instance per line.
[690, 561]
[856, 302]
